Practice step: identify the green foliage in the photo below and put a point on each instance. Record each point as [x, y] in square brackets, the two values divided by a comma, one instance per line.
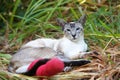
[24, 20]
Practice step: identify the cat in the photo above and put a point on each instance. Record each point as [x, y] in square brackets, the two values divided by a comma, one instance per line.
[71, 46]
[20, 61]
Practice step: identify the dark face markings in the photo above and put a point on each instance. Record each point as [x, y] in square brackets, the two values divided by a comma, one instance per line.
[72, 25]
[72, 30]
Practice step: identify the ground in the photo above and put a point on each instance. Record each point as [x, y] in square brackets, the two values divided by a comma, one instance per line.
[105, 65]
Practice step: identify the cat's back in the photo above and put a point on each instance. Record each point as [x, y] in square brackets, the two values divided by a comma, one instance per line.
[41, 42]
[44, 52]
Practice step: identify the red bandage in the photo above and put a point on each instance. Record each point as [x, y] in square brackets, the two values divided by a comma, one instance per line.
[33, 63]
[52, 67]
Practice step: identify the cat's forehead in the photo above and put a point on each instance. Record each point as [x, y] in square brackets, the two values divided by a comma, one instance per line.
[73, 25]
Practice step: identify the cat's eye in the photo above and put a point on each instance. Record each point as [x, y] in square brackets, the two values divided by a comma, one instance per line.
[78, 29]
[68, 29]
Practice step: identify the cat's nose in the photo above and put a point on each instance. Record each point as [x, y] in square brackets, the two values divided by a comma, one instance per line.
[74, 35]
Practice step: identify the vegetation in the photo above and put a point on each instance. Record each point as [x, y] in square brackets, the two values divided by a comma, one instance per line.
[24, 20]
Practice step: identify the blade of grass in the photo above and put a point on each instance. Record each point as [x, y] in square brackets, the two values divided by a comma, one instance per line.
[74, 13]
[51, 13]
[30, 9]
[6, 22]
[103, 51]
[104, 35]
[17, 2]
[107, 28]
[34, 7]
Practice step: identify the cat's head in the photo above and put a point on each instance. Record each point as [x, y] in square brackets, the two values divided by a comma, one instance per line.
[73, 30]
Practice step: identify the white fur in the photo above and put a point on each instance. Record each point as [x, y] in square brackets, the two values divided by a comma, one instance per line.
[72, 45]
[71, 49]
[44, 42]
[22, 69]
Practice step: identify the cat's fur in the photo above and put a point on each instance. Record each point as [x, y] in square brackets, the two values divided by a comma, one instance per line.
[25, 56]
[71, 46]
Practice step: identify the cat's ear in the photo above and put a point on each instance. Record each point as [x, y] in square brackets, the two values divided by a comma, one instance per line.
[61, 22]
[82, 19]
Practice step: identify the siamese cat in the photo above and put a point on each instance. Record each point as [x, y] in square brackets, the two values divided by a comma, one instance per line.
[68, 48]
[72, 45]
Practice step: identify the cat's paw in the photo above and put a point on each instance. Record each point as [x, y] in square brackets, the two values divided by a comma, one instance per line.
[82, 54]
[67, 68]
[22, 69]
[88, 54]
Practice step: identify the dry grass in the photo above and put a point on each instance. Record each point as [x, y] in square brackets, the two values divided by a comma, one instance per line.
[104, 66]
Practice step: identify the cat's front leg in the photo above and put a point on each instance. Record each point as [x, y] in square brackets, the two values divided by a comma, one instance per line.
[82, 54]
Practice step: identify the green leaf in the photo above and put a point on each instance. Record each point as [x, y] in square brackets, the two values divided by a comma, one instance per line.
[7, 56]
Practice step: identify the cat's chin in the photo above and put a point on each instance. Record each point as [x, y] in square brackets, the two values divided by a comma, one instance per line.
[74, 40]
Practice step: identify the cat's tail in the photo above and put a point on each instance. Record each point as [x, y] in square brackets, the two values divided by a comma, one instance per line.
[69, 64]
[75, 62]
